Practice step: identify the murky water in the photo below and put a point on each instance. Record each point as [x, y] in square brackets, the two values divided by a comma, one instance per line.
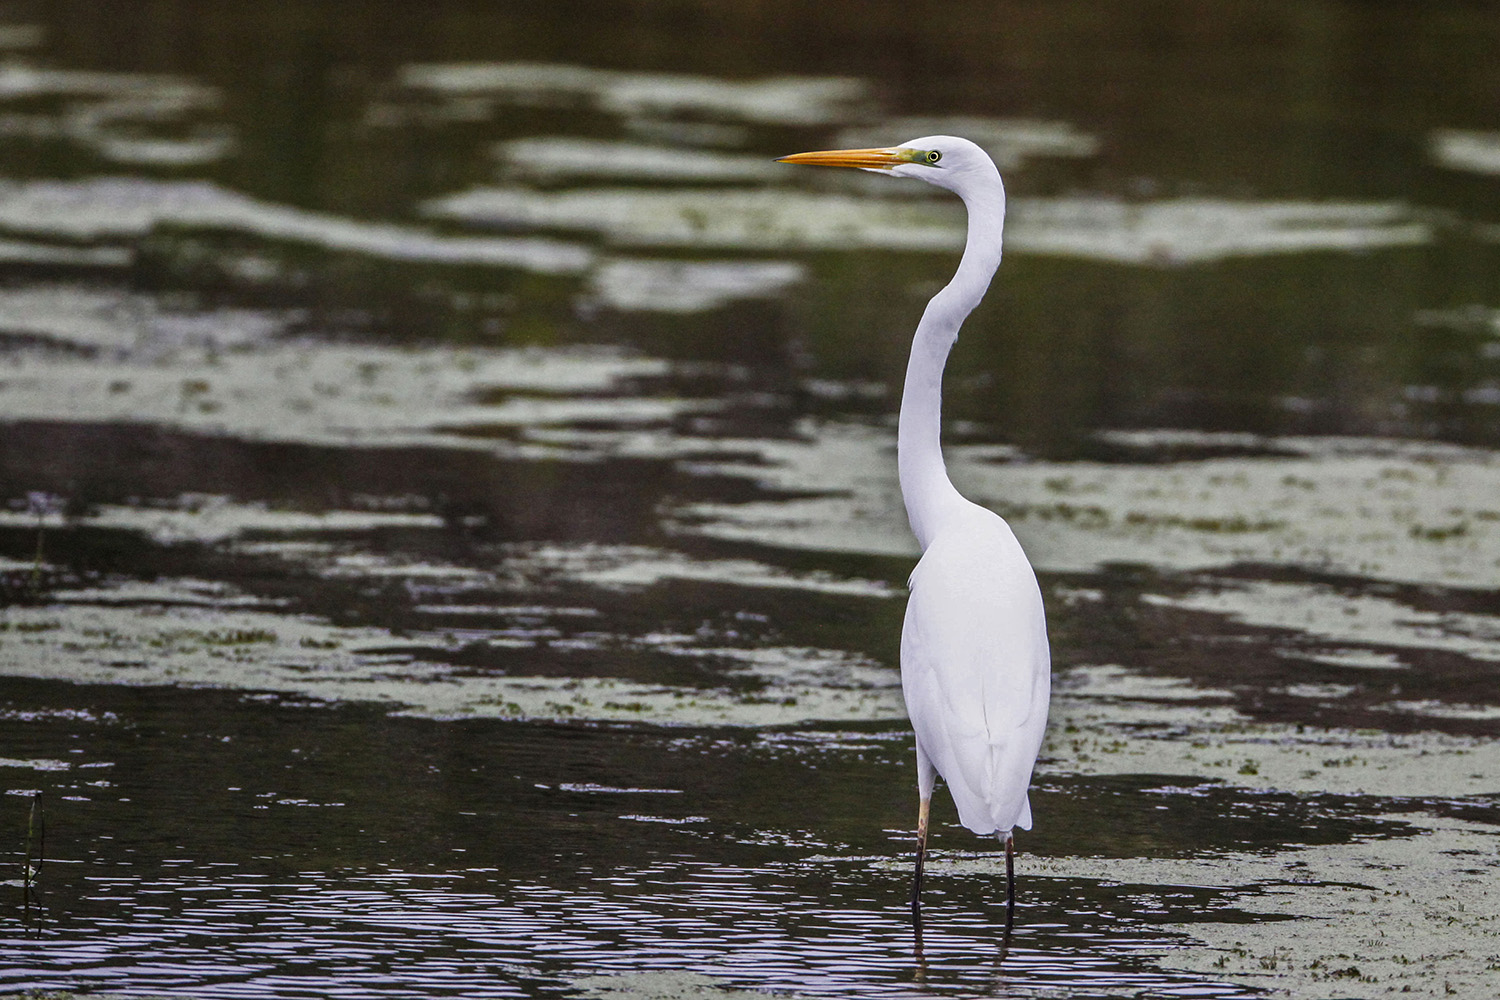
[449, 538]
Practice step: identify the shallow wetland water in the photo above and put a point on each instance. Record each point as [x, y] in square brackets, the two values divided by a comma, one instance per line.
[449, 536]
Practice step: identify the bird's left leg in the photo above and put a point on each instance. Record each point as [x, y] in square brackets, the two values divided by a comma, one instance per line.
[926, 778]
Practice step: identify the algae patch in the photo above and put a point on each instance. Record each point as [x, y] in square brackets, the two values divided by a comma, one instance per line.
[230, 642]
[1414, 915]
[1361, 508]
[663, 986]
[1108, 721]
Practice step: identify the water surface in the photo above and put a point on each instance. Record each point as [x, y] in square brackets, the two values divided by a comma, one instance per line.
[449, 537]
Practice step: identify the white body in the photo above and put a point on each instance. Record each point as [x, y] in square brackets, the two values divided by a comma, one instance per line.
[975, 665]
[975, 670]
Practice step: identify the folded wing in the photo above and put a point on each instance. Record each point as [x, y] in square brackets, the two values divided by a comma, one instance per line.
[975, 669]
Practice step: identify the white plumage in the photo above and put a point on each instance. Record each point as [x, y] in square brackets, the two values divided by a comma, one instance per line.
[974, 670]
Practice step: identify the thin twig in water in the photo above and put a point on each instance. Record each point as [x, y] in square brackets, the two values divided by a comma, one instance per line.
[41, 505]
[36, 851]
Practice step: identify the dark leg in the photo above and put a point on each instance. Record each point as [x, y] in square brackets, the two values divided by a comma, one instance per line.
[1010, 882]
[916, 885]
[916, 941]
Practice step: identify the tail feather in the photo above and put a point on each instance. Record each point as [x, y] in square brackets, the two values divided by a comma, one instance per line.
[991, 798]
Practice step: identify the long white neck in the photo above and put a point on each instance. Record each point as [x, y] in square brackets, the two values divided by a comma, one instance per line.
[925, 486]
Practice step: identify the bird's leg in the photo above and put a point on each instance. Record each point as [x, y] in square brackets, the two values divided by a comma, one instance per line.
[1010, 882]
[916, 885]
[916, 940]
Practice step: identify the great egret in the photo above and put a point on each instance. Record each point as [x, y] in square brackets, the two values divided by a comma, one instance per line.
[975, 665]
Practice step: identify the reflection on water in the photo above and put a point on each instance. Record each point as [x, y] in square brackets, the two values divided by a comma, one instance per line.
[449, 540]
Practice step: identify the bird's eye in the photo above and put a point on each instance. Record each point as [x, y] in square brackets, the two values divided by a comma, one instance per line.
[933, 156]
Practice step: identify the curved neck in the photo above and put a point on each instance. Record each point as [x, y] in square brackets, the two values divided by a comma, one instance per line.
[924, 478]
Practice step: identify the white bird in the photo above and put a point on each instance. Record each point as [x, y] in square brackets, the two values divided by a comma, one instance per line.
[975, 664]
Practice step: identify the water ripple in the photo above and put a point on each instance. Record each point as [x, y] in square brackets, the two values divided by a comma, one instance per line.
[397, 934]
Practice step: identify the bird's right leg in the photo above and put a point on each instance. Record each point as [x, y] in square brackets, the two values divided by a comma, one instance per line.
[1010, 881]
[916, 885]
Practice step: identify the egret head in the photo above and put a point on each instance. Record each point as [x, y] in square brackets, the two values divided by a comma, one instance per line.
[945, 160]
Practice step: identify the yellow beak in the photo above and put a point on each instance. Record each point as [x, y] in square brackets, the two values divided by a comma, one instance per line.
[876, 159]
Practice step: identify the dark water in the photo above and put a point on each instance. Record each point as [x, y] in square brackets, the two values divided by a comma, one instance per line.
[449, 543]
[214, 842]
